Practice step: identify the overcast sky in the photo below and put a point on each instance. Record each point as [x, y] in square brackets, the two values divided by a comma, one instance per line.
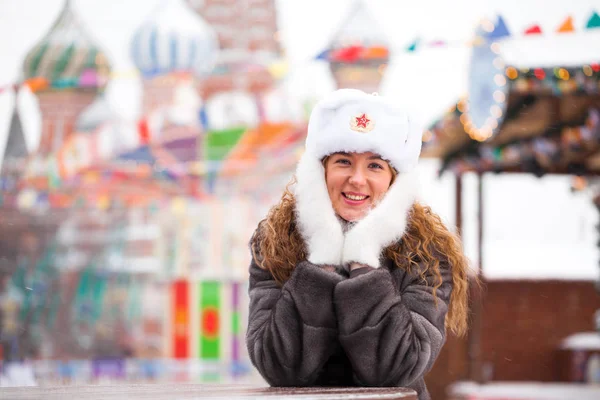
[431, 79]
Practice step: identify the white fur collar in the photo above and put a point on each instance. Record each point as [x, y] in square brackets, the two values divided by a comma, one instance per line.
[391, 213]
[321, 228]
[384, 224]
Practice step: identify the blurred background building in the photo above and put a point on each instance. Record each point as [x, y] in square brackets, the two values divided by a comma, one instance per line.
[135, 168]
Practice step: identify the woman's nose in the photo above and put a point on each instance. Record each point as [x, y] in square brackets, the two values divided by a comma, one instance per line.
[357, 177]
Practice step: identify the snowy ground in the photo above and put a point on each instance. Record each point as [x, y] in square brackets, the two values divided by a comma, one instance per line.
[523, 391]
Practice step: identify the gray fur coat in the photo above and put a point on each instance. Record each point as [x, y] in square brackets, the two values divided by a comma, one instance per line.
[371, 327]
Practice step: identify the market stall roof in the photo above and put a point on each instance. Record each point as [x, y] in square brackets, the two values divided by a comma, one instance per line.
[568, 49]
[540, 134]
[530, 107]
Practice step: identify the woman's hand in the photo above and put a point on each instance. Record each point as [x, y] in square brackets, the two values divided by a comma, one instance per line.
[354, 266]
[328, 268]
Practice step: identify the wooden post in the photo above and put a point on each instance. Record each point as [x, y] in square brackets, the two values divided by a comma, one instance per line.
[475, 362]
[459, 362]
[480, 224]
[458, 205]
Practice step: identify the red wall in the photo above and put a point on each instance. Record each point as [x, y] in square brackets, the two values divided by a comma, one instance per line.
[522, 325]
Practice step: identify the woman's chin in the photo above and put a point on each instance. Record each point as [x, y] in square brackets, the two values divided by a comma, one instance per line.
[352, 216]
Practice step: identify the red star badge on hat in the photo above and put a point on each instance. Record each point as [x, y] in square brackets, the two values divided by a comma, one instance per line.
[361, 123]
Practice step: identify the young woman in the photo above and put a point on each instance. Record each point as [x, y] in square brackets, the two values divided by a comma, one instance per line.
[352, 282]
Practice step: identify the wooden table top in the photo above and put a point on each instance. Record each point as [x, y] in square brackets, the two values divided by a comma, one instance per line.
[195, 391]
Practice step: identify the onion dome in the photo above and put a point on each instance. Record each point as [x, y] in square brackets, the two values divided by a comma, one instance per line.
[174, 39]
[359, 39]
[66, 57]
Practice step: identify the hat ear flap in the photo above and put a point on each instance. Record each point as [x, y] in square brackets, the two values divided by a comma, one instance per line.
[315, 214]
[412, 147]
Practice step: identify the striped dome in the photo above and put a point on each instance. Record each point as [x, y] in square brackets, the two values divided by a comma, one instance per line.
[66, 57]
[175, 39]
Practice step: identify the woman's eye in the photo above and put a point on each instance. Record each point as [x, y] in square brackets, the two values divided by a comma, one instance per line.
[342, 161]
[375, 165]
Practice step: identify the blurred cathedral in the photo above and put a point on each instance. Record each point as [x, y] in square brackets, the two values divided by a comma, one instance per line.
[206, 87]
[246, 31]
[246, 26]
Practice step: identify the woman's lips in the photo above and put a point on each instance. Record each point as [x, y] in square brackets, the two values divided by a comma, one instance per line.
[354, 199]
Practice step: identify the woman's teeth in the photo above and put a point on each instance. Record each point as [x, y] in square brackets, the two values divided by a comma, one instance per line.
[356, 198]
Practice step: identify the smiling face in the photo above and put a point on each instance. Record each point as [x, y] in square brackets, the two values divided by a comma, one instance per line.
[356, 182]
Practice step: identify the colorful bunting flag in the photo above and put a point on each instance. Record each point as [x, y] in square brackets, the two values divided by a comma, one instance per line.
[348, 54]
[218, 143]
[413, 46]
[236, 329]
[210, 308]
[278, 69]
[437, 43]
[324, 55]
[53, 168]
[375, 52]
[144, 131]
[254, 142]
[181, 319]
[566, 26]
[533, 30]
[500, 29]
[37, 84]
[594, 21]
[203, 116]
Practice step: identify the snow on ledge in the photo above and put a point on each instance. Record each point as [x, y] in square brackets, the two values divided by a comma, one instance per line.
[582, 341]
[524, 391]
[560, 50]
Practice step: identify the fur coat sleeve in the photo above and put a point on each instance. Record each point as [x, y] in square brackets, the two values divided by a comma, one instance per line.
[391, 326]
[292, 329]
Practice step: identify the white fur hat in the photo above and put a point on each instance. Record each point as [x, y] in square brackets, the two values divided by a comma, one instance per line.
[352, 121]
[349, 120]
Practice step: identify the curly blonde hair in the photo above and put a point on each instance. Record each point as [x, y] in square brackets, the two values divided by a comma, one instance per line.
[281, 247]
